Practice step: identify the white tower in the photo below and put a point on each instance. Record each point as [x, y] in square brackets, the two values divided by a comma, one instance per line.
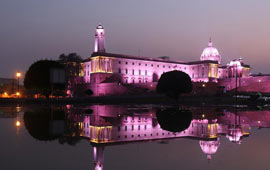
[99, 39]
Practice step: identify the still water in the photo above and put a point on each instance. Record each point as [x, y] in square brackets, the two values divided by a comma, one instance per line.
[133, 137]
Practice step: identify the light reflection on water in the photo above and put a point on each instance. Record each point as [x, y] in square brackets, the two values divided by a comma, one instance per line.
[93, 137]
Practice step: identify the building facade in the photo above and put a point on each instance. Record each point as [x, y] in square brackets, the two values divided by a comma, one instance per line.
[106, 71]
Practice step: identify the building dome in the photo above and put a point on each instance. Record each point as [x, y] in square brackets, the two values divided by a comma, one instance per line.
[209, 147]
[100, 26]
[210, 53]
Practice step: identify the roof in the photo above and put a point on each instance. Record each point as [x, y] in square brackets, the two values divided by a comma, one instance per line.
[148, 58]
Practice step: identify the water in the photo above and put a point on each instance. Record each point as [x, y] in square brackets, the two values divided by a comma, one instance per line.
[133, 137]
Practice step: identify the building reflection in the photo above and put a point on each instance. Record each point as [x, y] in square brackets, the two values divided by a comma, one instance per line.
[106, 125]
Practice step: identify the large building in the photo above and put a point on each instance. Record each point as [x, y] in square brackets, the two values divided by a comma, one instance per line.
[108, 73]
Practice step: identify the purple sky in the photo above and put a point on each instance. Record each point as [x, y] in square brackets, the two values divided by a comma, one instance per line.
[36, 29]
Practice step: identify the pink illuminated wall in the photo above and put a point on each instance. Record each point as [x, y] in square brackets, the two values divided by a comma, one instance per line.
[145, 72]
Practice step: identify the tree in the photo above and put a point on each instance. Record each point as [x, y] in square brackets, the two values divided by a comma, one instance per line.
[72, 63]
[37, 77]
[174, 83]
[173, 119]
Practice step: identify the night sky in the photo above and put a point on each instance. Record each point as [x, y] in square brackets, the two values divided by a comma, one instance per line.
[37, 29]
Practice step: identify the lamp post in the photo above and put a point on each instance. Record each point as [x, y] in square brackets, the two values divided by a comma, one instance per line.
[18, 75]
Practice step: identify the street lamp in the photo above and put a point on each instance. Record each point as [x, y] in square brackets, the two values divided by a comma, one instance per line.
[18, 75]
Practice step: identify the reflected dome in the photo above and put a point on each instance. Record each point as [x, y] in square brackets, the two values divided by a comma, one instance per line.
[211, 53]
[235, 135]
[209, 147]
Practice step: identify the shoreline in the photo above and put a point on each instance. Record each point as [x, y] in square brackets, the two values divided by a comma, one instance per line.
[141, 99]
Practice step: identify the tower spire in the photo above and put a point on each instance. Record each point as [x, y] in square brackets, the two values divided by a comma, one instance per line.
[210, 43]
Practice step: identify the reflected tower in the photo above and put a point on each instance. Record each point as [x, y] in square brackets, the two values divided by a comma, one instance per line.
[98, 153]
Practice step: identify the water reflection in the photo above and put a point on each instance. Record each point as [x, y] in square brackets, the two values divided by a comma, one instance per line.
[104, 125]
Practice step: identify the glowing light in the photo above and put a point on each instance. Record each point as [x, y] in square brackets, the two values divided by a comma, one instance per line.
[203, 85]
[18, 94]
[259, 81]
[18, 74]
[203, 115]
[18, 123]
[259, 122]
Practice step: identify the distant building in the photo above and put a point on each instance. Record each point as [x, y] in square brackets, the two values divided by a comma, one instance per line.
[109, 73]
[8, 85]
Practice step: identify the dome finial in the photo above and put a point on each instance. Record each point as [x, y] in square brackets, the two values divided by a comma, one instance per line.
[210, 44]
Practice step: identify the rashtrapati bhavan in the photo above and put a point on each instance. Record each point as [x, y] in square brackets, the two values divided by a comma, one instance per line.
[109, 74]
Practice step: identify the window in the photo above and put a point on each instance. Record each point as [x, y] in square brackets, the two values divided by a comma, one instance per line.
[132, 63]
[133, 72]
[145, 64]
[139, 127]
[126, 71]
[145, 127]
[139, 72]
[139, 64]
[126, 80]
[119, 128]
[152, 65]
[140, 81]
[119, 70]
[192, 75]
[133, 81]
[157, 65]
[163, 66]
[169, 66]
[125, 128]
[119, 62]
[126, 62]
[132, 127]
[192, 68]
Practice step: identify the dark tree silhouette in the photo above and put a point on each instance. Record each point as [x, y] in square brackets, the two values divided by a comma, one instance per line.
[37, 123]
[173, 119]
[37, 77]
[89, 92]
[174, 83]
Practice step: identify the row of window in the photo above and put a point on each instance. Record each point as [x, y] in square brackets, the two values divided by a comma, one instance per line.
[133, 71]
[152, 65]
